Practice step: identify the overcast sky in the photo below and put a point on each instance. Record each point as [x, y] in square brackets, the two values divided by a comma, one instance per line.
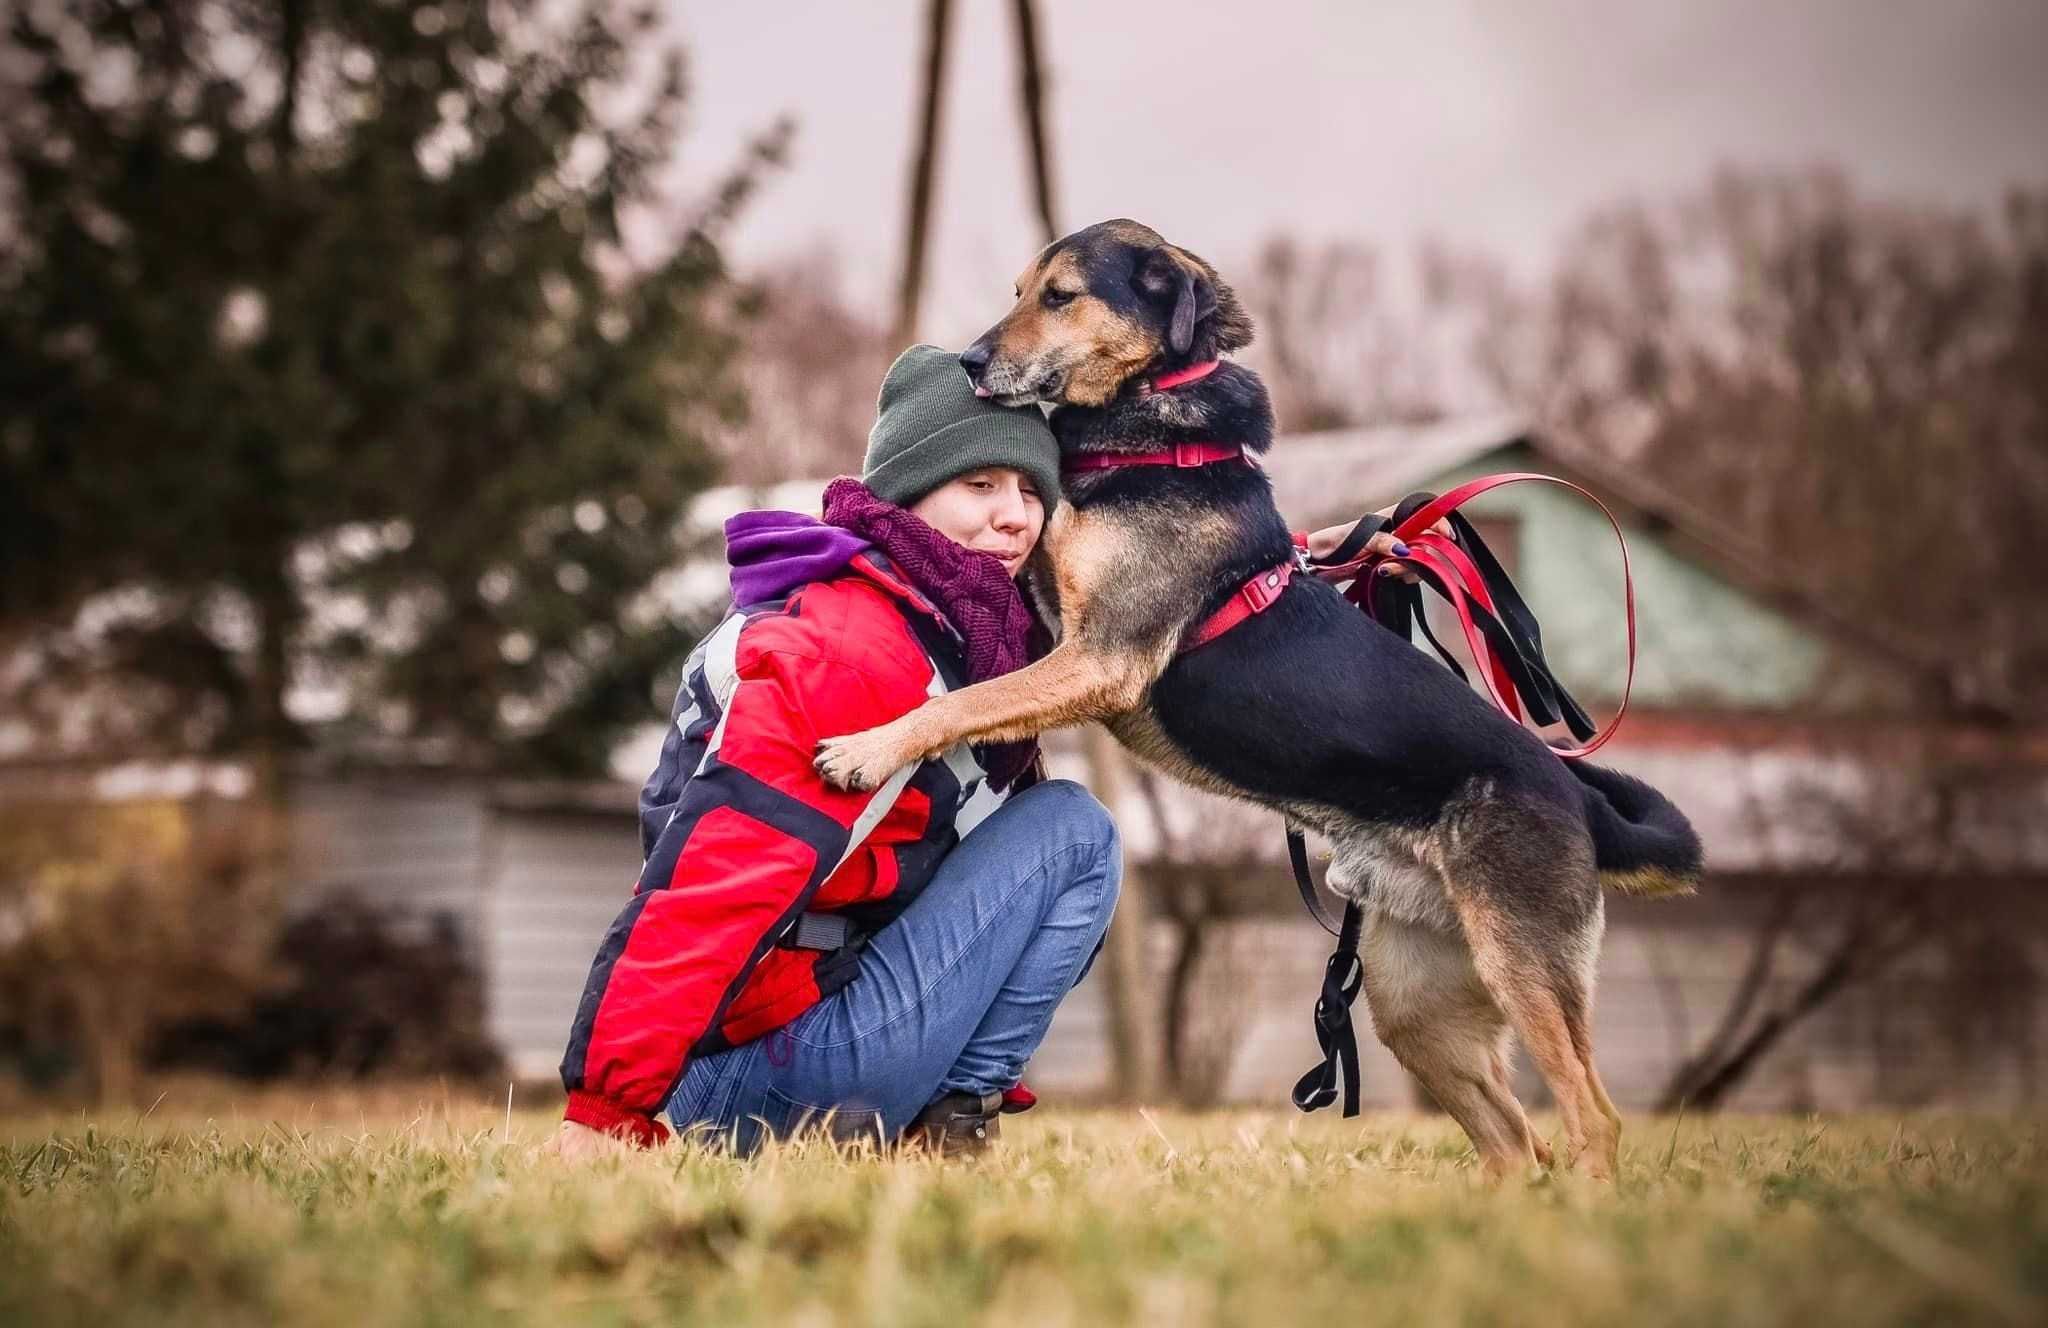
[1493, 123]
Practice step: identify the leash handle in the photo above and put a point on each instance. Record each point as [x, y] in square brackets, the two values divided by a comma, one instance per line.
[1343, 978]
[1353, 543]
[1454, 576]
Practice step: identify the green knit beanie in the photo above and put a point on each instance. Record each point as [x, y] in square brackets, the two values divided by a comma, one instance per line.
[931, 428]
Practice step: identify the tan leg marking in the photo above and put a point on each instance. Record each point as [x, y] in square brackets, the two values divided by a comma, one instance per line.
[1500, 1083]
[1431, 1010]
[1550, 1020]
[1069, 686]
[1074, 683]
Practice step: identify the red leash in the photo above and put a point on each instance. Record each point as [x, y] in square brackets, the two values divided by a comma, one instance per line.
[1464, 586]
[1451, 570]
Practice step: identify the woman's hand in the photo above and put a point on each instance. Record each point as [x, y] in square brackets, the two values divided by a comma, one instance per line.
[1323, 543]
[579, 1143]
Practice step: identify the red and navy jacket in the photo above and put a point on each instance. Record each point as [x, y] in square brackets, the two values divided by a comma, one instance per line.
[742, 838]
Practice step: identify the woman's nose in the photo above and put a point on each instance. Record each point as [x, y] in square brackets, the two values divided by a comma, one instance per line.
[1011, 513]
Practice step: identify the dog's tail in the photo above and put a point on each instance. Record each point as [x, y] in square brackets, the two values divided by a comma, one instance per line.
[1642, 844]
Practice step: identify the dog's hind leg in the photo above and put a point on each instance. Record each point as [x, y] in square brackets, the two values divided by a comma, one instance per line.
[1520, 876]
[1550, 1008]
[1432, 1011]
[1528, 899]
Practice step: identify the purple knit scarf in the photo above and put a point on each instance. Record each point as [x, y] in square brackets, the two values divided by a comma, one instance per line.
[970, 588]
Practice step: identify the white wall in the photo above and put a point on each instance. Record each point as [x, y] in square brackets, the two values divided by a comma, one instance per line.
[532, 893]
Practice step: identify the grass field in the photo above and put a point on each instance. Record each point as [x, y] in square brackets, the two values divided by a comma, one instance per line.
[350, 1212]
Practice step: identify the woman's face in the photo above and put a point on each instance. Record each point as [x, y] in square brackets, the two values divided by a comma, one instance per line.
[995, 510]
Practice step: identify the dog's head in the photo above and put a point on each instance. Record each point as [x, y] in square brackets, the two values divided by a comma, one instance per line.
[1096, 309]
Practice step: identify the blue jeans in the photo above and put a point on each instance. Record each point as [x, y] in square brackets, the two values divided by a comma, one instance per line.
[953, 996]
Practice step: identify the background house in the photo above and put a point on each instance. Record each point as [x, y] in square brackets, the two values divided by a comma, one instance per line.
[1864, 862]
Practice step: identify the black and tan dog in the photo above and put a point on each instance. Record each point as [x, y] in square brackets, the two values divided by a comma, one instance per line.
[1479, 854]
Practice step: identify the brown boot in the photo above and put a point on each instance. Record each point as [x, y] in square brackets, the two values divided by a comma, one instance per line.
[957, 1124]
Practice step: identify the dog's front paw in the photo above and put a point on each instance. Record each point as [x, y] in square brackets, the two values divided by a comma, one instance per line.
[857, 762]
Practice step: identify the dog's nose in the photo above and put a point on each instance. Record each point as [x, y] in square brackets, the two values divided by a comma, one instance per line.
[975, 360]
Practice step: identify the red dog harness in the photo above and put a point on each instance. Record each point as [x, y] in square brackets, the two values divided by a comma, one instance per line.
[1451, 571]
[1447, 567]
[1181, 456]
[1255, 595]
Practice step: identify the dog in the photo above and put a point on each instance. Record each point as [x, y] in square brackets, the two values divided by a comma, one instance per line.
[1478, 854]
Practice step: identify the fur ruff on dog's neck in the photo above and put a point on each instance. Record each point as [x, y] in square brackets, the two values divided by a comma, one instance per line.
[1230, 406]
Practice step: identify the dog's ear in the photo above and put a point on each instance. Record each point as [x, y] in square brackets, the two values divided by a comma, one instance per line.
[1166, 274]
[1204, 310]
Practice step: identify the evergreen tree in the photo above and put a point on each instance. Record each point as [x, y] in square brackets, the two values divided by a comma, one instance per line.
[328, 373]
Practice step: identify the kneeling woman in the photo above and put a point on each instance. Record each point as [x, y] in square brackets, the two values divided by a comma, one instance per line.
[888, 961]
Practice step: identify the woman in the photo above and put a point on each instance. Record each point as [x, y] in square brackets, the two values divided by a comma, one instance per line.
[885, 961]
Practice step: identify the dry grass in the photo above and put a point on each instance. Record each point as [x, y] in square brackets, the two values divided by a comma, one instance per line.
[289, 1210]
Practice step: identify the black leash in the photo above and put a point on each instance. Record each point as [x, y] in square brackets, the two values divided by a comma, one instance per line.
[1343, 978]
[1515, 635]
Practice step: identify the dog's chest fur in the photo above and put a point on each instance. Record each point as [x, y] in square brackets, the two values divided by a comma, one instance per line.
[1137, 558]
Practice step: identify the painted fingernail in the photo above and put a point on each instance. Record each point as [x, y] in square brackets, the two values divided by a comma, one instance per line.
[1400, 549]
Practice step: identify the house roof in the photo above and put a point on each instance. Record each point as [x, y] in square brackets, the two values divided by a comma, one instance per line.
[1330, 475]
[1327, 476]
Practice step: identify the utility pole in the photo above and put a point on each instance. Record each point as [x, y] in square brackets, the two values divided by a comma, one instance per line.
[1031, 90]
[923, 167]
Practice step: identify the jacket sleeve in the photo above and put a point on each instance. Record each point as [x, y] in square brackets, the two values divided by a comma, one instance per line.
[756, 833]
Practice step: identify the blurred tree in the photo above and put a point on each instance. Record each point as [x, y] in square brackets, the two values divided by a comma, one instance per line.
[1348, 338]
[812, 368]
[332, 392]
[1857, 385]
[115, 918]
[358, 992]
[1922, 896]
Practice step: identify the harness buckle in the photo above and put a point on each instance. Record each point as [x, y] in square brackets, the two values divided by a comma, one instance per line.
[1263, 589]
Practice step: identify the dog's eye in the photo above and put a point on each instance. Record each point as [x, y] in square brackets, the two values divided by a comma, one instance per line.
[1054, 297]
